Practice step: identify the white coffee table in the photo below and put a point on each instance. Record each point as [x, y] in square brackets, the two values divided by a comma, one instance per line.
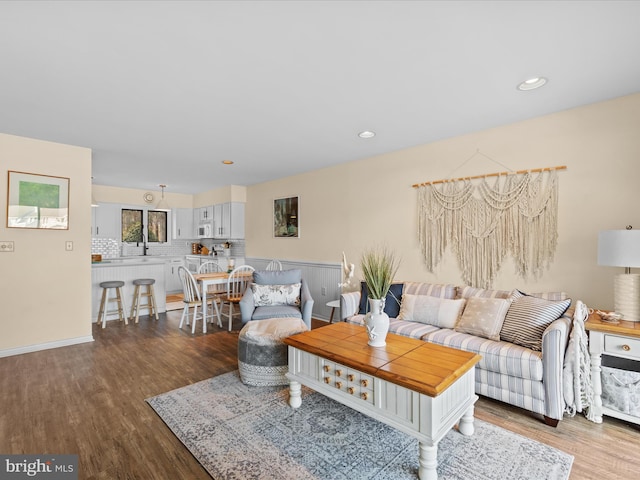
[419, 388]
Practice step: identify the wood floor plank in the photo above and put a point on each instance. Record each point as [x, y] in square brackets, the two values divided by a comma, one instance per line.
[88, 400]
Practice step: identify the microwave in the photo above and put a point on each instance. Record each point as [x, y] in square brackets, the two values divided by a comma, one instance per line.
[205, 230]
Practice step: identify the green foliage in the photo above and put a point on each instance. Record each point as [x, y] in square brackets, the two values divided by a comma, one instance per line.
[379, 266]
[132, 233]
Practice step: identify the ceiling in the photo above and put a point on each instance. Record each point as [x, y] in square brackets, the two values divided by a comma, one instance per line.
[163, 92]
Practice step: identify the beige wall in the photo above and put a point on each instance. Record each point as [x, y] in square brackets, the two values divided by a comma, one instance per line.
[46, 290]
[356, 205]
[230, 193]
[132, 196]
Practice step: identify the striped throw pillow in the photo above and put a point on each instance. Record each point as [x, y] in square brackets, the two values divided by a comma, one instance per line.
[439, 290]
[528, 317]
[471, 292]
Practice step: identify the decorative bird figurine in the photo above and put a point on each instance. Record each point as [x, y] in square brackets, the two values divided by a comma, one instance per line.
[348, 270]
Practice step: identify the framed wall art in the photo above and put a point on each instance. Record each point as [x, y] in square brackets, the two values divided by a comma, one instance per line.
[37, 201]
[286, 217]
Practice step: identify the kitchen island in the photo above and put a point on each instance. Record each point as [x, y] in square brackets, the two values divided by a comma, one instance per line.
[127, 269]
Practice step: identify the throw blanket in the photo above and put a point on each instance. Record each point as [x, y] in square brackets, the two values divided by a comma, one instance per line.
[576, 375]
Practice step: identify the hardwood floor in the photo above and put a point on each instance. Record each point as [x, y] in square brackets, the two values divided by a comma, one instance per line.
[89, 400]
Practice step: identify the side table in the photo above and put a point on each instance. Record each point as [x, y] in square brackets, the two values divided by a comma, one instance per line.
[620, 340]
[333, 304]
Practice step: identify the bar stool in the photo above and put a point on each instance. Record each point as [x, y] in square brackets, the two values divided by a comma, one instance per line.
[148, 294]
[104, 302]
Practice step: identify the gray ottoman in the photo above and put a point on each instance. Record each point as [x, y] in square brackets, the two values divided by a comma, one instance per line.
[262, 357]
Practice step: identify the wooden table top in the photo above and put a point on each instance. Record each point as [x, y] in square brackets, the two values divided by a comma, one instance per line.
[419, 366]
[214, 275]
[201, 276]
[623, 327]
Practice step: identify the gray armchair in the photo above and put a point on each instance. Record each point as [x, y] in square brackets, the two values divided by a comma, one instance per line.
[250, 311]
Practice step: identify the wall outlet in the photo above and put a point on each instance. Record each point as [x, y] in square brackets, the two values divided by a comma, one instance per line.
[323, 291]
[6, 246]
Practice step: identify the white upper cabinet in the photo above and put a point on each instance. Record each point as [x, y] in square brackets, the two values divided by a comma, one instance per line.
[237, 220]
[221, 220]
[206, 214]
[105, 221]
[183, 227]
[228, 220]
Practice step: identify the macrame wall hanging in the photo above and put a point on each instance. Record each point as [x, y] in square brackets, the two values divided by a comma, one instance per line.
[499, 214]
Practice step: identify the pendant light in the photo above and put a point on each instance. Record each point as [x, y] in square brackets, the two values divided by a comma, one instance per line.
[162, 204]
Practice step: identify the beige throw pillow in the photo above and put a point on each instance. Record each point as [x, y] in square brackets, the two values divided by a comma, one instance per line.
[483, 317]
[439, 312]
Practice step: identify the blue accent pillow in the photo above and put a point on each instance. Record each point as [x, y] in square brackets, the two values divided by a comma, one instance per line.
[277, 277]
[392, 300]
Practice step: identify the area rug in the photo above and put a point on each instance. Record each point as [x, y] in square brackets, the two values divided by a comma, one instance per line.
[245, 433]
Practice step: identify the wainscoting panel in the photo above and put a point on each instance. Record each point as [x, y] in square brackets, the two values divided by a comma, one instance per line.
[322, 278]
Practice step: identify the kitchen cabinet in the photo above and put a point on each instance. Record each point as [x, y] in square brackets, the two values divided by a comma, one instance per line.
[183, 227]
[171, 278]
[193, 262]
[105, 221]
[220, 220]
[228, 220]
[205, 214]
[237, 220]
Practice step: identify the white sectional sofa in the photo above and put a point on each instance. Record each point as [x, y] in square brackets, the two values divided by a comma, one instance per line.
[522, 338]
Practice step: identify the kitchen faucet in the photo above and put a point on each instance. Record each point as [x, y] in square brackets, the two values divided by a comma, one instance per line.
[144, 243]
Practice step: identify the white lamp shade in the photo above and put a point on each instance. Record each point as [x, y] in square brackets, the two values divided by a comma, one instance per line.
[163, 205]
[619, 248]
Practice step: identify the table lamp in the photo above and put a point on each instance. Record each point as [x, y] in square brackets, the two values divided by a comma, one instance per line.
[621, 248]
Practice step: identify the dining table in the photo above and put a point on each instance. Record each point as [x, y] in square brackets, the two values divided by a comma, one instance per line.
[206, 279]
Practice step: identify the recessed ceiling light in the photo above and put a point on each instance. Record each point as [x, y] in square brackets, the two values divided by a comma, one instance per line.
[227, 162]
[367, 134]
[532, 83]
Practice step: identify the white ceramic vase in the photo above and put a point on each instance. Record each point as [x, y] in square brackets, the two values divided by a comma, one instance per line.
[377, 323]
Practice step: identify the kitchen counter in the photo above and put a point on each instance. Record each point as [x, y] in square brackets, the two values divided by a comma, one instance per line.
[127, 270]
[115, 262]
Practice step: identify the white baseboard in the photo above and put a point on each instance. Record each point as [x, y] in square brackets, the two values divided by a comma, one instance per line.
[45, 346]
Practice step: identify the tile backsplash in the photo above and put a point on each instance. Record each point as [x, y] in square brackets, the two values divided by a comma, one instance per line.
[108, 247]
[111, 248]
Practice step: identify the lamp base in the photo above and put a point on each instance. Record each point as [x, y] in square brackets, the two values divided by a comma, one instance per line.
[626, 296]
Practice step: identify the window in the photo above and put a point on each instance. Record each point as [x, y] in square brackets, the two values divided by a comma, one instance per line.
[157, 226]
[133, 226]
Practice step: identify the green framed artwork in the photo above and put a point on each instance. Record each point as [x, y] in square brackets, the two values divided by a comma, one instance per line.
[286, 217]
[37, 201]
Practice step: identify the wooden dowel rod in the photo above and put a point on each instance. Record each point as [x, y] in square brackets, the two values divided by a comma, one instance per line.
[519, 172]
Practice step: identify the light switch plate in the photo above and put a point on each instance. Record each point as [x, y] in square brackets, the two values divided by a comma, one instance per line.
[68, 245]
[6, 246]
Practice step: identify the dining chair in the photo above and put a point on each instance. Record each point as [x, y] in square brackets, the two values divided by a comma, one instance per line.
[239, 279]
[209, 266]
[274, 265]
[192, 299]
[214, 292]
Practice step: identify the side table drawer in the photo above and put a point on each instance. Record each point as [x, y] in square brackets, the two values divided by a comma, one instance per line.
[625, 346]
